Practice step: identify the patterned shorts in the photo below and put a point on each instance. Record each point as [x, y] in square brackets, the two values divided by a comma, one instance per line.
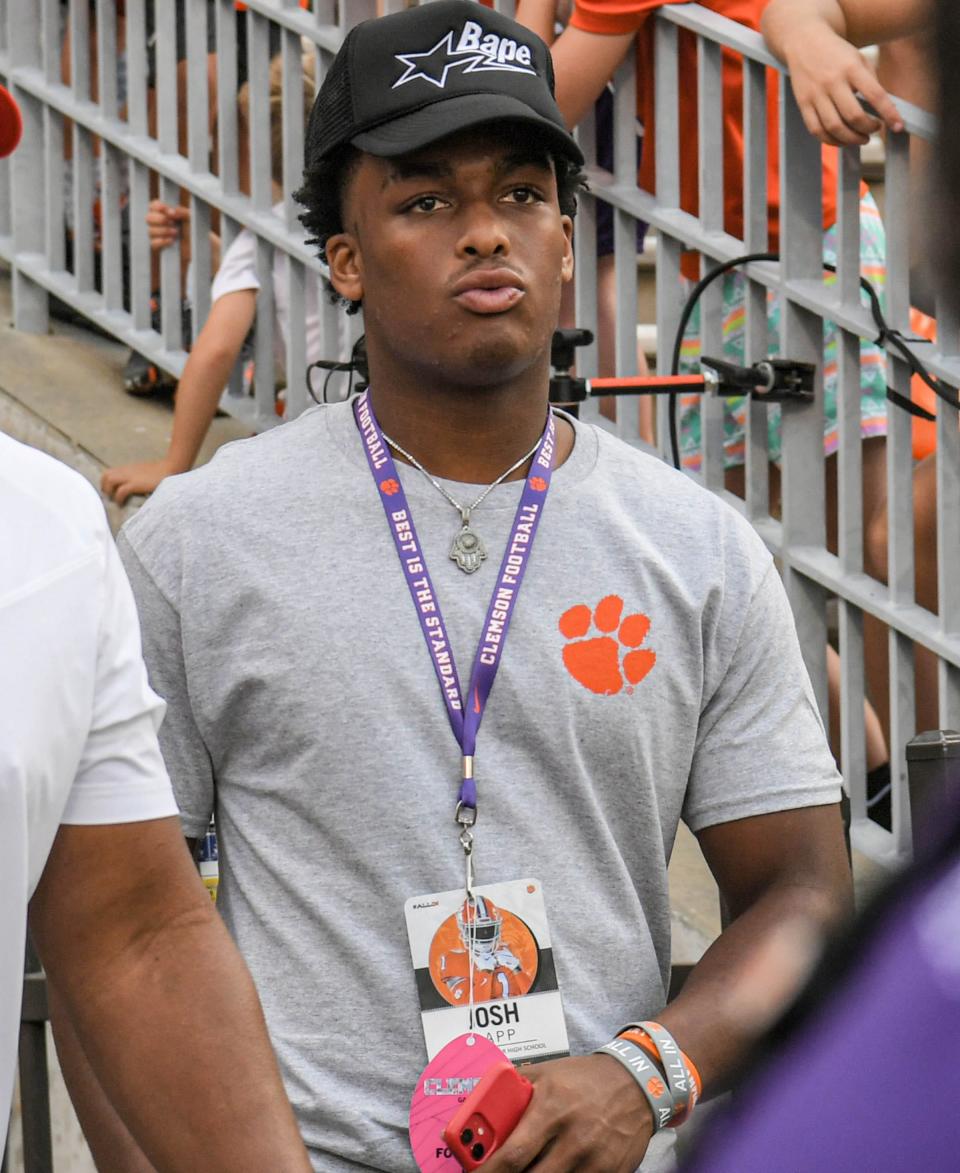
[873, 374]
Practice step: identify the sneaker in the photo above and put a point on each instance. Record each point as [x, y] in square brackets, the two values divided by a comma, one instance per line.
[143, 378]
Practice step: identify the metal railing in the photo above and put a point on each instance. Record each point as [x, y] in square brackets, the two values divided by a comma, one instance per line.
[145, 129]
[154, 140]
[813, 575]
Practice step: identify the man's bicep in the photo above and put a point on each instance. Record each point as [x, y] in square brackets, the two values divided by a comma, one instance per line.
[801, 848]
[108, 888]
[184, 750]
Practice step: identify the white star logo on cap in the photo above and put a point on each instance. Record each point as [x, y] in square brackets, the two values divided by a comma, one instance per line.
[434, 65]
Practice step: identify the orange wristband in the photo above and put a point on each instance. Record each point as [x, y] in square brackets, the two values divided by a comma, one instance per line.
[642, 1039]
[637, 1035]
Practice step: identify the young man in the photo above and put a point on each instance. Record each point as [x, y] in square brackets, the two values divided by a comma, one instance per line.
[301, 597]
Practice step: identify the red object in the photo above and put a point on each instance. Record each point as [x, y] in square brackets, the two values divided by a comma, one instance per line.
[693, 383]
[924, 431]
[11, 123]
[488, 1115]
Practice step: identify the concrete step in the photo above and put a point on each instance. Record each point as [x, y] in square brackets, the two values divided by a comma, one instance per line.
[63, 392]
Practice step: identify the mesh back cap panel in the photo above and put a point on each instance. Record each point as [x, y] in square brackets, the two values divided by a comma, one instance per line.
[399, 73]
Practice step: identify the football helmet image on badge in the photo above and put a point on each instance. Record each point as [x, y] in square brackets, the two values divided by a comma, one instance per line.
[503, 952]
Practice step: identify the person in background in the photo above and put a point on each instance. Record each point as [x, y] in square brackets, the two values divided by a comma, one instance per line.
[817, 40]
[586, 54]
[886, 998]
[232, 312]
[90, 845]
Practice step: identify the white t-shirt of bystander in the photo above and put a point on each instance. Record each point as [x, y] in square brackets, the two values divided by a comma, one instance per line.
[78, 720]
[238, 270]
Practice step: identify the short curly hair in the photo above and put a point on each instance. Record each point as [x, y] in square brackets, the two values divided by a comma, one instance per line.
[325, 184]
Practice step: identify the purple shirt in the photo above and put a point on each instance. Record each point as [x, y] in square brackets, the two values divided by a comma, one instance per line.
[872, 1083]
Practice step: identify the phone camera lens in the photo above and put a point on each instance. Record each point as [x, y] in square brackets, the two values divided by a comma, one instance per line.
[477, 1151]
[466, 1136]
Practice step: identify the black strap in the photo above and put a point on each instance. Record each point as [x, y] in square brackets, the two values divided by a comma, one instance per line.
[908, 405]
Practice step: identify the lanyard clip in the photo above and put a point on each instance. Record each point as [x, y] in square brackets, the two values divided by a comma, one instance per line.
[466, 842]
[465, 816]
[468, 861]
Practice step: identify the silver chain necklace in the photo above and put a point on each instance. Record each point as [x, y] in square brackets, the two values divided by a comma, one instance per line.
[468, 550]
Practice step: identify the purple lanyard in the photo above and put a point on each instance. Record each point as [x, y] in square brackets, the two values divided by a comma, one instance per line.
[465, 717]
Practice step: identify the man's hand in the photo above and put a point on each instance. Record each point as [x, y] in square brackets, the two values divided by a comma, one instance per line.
[587, 1115]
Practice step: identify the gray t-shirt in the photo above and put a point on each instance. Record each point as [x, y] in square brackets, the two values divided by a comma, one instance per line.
[304, 711]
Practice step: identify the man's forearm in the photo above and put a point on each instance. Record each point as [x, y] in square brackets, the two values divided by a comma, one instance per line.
[221, 1088]
[111, 1144]
[750, 973]
[163, 1007]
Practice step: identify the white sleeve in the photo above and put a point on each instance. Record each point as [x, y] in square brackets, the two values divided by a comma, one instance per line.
[238, 267]
[120, 777]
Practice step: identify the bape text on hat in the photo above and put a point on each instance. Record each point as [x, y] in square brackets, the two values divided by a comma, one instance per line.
[406, 80]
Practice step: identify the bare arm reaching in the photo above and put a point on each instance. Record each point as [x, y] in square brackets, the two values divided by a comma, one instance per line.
[539, 16]
[816, 40]
[584, 63]
[198, 393]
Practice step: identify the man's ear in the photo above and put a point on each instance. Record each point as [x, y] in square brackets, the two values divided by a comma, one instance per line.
[566, 271]
[345, 265]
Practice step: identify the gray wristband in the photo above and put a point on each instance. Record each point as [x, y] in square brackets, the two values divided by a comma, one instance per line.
[650, 1079]
[671, 1059]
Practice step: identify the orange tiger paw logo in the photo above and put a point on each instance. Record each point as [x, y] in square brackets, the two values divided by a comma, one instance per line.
[596, 662]
[390, 487]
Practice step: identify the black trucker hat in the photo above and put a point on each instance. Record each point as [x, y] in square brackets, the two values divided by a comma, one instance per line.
[403, 81]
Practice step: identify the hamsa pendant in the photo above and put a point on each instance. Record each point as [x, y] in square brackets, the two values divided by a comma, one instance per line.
[468, 551]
